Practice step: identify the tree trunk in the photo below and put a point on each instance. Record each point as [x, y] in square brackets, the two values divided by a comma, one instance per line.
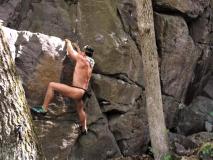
[158, 132]
[17, 137]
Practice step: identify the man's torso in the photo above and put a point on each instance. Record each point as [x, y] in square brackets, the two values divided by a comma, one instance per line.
[82, 72]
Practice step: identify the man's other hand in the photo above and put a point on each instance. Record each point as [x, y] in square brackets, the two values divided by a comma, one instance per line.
[67, 41]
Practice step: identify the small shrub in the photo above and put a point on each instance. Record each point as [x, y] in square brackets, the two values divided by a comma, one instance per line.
[206, 152]
[167, 157]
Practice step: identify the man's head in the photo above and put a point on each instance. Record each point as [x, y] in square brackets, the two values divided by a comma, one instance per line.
[88, 50]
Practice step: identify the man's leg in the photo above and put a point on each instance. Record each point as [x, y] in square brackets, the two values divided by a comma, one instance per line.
[65, 90]
[49, 96]
[82, 115]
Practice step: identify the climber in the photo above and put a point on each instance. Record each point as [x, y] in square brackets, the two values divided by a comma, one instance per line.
[79, 88]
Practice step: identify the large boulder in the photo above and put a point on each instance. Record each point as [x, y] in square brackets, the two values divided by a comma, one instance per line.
[115, 51]
[201, 28]
[170, 109]
[114, 94]
[131, 131]
[45, 14]
[178, 54]
[190, 8]
[99, 138]
[116, 117]
[98, 144]
[7, 9]
[120, 101]
[137, 157]
[128, 16]
[202, 74]
[200, 111]
[201, 138]
[181, 145]
[56, 137]
[208, 88]
[38, 58]
[201, 32]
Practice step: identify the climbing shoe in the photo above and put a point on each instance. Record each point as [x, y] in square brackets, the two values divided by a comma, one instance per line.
[84, 131]
[39, 110]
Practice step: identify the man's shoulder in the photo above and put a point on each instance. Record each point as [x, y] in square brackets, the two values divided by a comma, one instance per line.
[91, 61]
[79, 57]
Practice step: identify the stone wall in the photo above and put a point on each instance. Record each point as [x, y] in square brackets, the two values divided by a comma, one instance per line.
[116, 112]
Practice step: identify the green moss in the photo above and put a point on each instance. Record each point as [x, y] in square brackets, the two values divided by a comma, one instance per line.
[167, 157]
[206, 151]
[211, 113]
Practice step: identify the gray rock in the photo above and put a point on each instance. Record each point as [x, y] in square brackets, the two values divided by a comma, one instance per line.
[8, 9]
[200, 111]
[202, 74]
[201, 138]
[120, 95]
[116, 42]
[171, 110]
[201, 29]
[209, 126]
[136, 157]
[38, 58]
[181, 145]
[178, 54]
[201, 32]
[98, 144]
[131, 132]
[193, 157]
[56, 137]
[208, 89]
[119, 54]
[191, 8]
[55, 17]
[93, 110]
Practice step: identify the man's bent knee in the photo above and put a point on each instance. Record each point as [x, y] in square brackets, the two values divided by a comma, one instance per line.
[51, 84]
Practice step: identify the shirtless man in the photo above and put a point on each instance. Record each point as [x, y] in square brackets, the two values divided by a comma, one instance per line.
[81, 76]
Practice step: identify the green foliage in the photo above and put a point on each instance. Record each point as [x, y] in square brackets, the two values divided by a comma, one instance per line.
[206, 151]
[167, 157]
[211, 113]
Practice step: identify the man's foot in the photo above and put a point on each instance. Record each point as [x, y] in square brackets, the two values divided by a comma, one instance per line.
[39, 110]
[84, 130]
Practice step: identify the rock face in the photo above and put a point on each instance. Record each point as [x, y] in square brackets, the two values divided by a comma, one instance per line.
[200, 111]
[201, 31]
[116, 111]
[178, 54]
[191, 8]
[43, 56]
[38, 59]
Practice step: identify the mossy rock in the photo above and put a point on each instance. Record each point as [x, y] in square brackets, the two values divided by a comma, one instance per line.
[169, 156]
[206, 152]
[193, 157]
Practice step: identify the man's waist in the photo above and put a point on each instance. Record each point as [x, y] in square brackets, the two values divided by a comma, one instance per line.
[76, 86]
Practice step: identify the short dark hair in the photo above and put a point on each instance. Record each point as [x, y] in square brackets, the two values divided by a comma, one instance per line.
[88, 50]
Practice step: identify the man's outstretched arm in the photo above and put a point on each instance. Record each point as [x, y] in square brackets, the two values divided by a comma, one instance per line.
[71, 53]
